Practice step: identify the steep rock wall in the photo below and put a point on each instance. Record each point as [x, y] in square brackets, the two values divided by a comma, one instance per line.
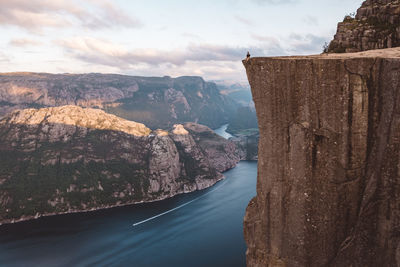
[375, 26]
[328, 189]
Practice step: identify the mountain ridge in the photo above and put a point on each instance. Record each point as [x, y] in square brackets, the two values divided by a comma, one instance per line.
[48, 167]
[158, 102]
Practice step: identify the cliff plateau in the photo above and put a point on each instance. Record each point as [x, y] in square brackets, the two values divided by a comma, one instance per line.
[328, 189]
[71, 159]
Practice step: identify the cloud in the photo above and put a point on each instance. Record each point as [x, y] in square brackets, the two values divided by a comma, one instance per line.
[291, 44]
[271, 46]
[244, 21]
[207, 60]
[109, 16]
[23, 42]
[311, 20]
[190, 35]
[274, 2]
[209, 70]
[3, 57]
[308, 43]
[106, 53]
[204, 59]
[34, 15]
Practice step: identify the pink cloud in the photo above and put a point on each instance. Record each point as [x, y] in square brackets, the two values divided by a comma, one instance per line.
[34, 15]
[106, 53]
[22, 42]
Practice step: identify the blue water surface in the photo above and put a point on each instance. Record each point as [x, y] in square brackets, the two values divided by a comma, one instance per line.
[206, 232]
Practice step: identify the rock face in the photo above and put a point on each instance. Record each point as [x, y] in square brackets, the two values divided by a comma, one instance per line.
[328, 190]
[224, 153]
[70, 159]
[244, 122]
[158, 102]
[247, 146]
[244, 127]
[376, 26]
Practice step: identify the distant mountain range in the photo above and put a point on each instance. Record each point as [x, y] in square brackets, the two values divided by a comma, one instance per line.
[244, 127]
[240, 92]
[158, 102]
[62, 149]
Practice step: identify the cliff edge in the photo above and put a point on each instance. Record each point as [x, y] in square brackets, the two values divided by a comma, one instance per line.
[328, 189]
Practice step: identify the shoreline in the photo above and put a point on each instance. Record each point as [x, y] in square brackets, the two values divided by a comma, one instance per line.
[35, 217]
[217, 179]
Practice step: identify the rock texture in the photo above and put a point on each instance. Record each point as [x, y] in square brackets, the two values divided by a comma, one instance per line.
[224, 153]
[244, 128]
[247, 146]
[328, 190]
[244, 122]
[70, 159]
[376, 26]
[158, 102]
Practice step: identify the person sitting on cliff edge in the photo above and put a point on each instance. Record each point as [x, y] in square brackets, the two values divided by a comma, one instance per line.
[247, 56]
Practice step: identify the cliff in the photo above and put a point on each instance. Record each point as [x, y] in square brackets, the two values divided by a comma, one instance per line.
[375, 26]
[328, 189]
[244, 122]
[244, 127]
[247, 145]
[158, 102]
[70, 159]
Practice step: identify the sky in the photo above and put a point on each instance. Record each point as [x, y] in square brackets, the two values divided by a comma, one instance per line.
[205, 38]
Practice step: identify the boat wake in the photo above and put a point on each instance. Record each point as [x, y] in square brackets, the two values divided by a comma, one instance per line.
[179, 207]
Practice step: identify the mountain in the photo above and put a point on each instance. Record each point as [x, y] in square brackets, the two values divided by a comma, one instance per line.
[240, 92]
[154, 101]
[375, 26]
[244, 122]
[244, 127]
[328, 184]
[70, 159]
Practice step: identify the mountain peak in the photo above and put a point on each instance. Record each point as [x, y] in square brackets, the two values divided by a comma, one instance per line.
[76, 116]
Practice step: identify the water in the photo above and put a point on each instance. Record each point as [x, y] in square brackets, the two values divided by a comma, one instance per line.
[198, 229]
[222, 132]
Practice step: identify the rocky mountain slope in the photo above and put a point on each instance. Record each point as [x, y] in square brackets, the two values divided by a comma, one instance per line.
[328, 189]
[244, 121]
[247, 145]
[244, 127]
[240, 92]
[69, 159]
[154, 101]
[375, 26]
